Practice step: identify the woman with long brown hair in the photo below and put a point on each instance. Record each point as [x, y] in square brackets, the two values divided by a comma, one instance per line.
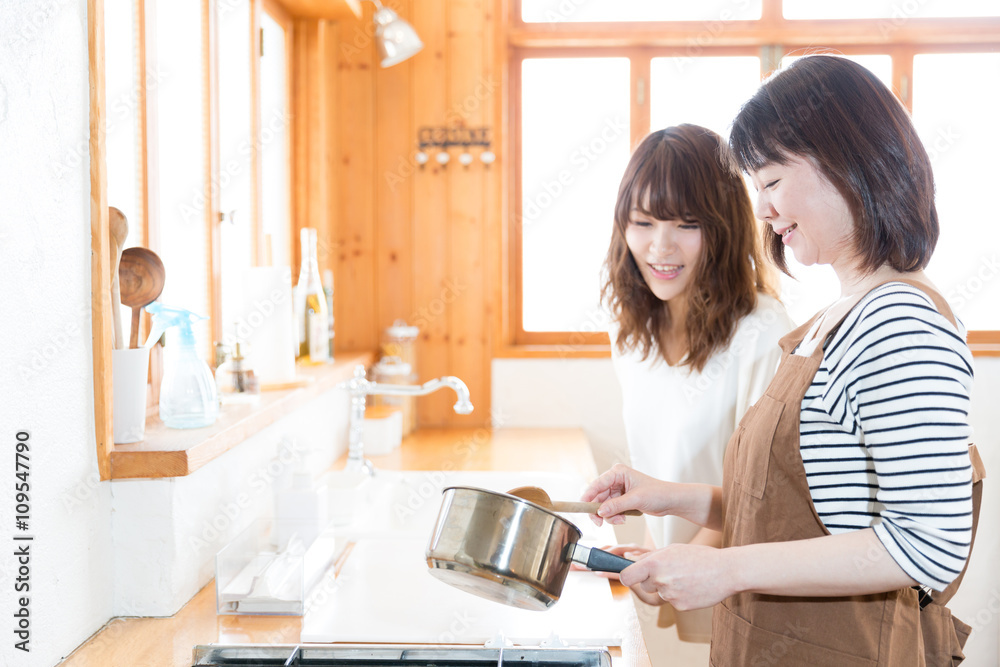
[695, 323]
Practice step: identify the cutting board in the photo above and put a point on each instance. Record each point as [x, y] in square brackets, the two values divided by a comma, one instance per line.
[384, 592]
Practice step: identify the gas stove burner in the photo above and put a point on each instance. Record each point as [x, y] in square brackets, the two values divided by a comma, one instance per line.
[391, 655]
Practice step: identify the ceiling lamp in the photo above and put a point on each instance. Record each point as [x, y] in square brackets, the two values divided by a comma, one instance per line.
[395, 38]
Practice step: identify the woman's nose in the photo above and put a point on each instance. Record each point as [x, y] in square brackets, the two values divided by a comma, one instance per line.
[763, 209]
[663, 242]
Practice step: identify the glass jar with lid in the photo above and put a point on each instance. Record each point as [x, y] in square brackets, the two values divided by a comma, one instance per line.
[393, 370]
[400, 340]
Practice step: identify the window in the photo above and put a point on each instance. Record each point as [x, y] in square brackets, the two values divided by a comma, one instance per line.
[176, 161]
[122, 122]
[575, 142]
[195, 117]
[275, 119]
[573, 64]
[237, 238]
[956, 118]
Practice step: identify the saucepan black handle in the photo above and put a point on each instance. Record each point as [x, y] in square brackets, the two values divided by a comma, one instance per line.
[598, 560]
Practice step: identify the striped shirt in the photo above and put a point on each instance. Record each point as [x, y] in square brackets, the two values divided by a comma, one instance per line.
[884, 432]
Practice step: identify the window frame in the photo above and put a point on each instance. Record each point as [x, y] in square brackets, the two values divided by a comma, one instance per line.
[771, 38]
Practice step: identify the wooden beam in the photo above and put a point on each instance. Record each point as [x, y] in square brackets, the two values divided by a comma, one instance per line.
[323, 9]
[100, 262]
[256, 225]
[753, 33]
[211, 230]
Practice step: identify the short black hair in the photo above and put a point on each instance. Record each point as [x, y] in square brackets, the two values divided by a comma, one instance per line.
[862, 139]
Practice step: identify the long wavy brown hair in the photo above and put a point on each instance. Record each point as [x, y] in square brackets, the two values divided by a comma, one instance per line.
[686, 172]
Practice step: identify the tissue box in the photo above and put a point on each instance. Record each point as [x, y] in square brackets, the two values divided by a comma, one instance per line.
[383, 429]
[254, 576]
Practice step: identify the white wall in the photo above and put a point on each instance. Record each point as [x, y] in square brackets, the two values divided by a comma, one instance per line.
[45, 339]
[585, 393]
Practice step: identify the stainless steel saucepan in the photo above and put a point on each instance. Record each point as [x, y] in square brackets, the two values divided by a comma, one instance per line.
[507, 549]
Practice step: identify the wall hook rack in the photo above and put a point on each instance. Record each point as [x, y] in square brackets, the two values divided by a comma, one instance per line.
[443, 138]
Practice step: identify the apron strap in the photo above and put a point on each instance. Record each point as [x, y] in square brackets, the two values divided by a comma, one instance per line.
[938, 300]
[978, 474]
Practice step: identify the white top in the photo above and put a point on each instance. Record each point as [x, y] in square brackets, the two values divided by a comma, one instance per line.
[678, 422]
[884, 432]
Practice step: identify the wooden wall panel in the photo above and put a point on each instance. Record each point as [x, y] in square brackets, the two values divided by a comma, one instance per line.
[431, 239]
[406, 241]
[355, 302]
[394, 134]
[468, 102]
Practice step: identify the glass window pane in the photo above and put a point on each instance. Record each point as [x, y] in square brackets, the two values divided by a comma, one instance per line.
[954, 109]
[678, 94]
[715, 11]
[122, 121]
[179, 172]
[274, 127]
[122, 96]
[574, 148]
[880, 65]
[894, 11]
[235, 153]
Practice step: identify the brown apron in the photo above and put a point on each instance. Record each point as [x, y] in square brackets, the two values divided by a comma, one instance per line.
[766, 499]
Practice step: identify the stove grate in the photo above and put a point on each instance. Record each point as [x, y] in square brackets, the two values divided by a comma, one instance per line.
[325, 655]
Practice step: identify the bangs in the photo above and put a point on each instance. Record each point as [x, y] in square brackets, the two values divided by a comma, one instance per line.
[666, 186]
[760, 137]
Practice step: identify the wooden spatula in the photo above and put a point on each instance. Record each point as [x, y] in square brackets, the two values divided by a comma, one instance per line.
[119, 231]
[142, 276]
[538, 496]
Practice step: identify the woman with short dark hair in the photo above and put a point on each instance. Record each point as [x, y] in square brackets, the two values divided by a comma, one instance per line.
[850, 490]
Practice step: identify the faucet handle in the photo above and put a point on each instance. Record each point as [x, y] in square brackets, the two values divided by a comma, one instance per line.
[357, 384]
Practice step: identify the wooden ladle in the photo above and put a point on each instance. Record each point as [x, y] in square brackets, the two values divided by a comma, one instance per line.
[118, 226]
[141, 276]
[538, 496]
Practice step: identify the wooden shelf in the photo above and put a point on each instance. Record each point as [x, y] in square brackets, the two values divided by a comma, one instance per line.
[168, 452]
[322, 9]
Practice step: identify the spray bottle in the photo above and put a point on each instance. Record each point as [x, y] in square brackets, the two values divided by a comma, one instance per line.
[188, 396]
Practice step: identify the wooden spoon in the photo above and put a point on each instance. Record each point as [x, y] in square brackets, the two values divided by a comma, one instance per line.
[538, 496]
[119, 231]
[142, 277]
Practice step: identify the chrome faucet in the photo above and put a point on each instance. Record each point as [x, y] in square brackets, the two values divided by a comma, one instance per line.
[360, 387]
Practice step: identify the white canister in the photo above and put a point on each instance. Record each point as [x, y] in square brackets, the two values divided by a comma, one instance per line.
[128, 383]
[267, 323]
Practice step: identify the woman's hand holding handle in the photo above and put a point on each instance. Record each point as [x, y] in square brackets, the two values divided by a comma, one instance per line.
[623, 488]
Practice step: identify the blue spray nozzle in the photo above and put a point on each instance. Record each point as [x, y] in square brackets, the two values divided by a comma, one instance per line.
[165, 317]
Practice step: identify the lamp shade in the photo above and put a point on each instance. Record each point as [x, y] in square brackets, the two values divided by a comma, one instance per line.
[396, 39]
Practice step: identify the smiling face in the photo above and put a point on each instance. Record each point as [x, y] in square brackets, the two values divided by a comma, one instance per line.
[806, 210]
[665, 251]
